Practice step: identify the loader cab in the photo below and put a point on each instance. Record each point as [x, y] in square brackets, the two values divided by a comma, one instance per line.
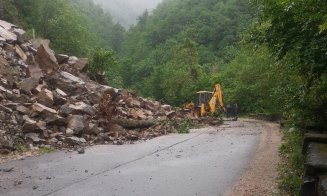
[202, 97]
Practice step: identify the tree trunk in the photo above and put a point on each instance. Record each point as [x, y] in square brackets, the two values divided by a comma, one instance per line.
[134, 124]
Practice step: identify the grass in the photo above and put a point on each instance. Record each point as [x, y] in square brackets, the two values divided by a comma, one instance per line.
[291, 168]
[20, 148]
[46, 150]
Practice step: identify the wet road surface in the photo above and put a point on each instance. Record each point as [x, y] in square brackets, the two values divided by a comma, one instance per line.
[205, 162]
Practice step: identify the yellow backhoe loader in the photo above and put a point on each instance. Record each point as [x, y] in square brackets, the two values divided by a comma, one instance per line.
[205, 103]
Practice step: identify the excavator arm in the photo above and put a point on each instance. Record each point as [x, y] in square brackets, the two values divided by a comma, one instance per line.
[217, 97]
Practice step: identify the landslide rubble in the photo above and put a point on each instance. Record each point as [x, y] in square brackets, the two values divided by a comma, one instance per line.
[47, 99]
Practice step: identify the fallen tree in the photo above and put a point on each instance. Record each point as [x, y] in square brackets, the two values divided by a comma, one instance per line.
[134, 124]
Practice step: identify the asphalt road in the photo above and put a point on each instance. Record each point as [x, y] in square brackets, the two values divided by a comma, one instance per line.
[205, 162]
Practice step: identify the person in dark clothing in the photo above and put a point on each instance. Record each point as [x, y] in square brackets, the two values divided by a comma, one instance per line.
[235, 110]
[229, 111]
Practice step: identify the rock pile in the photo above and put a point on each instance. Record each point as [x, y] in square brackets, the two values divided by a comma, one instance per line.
[45, 99]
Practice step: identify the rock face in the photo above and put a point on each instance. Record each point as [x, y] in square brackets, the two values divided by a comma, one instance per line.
[48, 99]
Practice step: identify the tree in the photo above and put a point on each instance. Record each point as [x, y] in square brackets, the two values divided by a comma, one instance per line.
[296, 28]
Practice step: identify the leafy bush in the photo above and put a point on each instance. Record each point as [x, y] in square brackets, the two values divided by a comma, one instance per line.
[103, 62]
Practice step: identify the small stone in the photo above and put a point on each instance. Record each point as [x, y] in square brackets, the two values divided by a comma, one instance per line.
[8, 169]
[69, 132]
[81, 150]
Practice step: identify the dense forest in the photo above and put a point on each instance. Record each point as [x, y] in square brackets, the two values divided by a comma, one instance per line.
[74, 27]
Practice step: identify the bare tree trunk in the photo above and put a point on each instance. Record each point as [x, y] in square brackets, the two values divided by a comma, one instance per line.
[134, 124]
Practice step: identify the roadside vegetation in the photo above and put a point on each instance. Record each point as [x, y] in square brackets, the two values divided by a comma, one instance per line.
[46, 150]
[291, 167]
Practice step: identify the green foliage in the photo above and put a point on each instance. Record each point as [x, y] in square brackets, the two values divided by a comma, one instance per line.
[46, 150]
[173, 52]
[291, 168]
[67, 33]
[74, 27]
[104, 62]
[183, 127]
[295, 28]
[19, 148]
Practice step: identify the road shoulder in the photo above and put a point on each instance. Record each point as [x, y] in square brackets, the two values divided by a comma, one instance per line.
[260, 178]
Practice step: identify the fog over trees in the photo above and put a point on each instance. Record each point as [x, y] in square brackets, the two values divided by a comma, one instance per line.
[126, 12]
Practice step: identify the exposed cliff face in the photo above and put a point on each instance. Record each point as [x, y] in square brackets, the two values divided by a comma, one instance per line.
[126, 12]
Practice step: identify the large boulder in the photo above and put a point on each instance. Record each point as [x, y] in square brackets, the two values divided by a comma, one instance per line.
[31, 126]
[56, 120]
[7, 35]
[42, 110]
[20, 53]
[6, 142]
[46, 59]
[45, 97]
[82, 108]
[81, 64]
[67, 82]
[21, 35]
[62, 58]
[78, 124]
[34, 71]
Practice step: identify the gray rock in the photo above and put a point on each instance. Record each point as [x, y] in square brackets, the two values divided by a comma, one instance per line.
[69, 132]
[39, 109]
[65, 110]
[31, 126]
[82, 108]
[78, 124]
[67, 82]
[72, 60]
[72, 141]
[34, 71]
[5, 109]
[58, 100]
[55, 119]
[34, 138]
[23, 110]
[28, 84]
[81, 150]
[7, 35]
[81, 64]
[62, 58]
[21, 35]
[313, 137]
[6, 141]
[316, 159]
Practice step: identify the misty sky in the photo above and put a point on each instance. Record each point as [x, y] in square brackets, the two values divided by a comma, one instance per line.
[126, 11]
